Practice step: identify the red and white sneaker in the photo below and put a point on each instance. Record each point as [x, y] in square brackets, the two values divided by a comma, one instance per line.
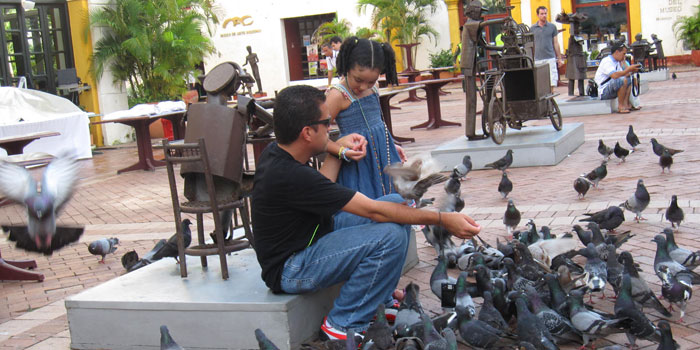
[391, 311]
[331, 332]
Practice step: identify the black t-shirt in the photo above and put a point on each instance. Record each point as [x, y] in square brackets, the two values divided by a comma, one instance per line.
[292, 206]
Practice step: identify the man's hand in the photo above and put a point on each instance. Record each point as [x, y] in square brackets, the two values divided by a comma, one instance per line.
[560, 61]
[460, 225]
[356, 145]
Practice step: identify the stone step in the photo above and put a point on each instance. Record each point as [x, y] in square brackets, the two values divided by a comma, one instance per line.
[532, 146]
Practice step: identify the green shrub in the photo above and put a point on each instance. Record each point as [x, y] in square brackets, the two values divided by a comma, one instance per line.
[688, 30]
[442, 58]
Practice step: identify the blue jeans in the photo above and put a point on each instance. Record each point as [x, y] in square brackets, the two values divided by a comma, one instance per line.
[613, 86]
[366, 255]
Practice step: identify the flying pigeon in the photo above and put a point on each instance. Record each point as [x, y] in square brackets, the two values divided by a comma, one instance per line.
[57, 185]
[503, 163]
[463, 168]
[505, 186]
[511, 218]
[659, 148]
[620, 152]
[674, 213]
[103, 247]
[64, 235]
[604, 150]
[632, 138]
[639, 201]
[413, 181]
[581, 185]
[665, 161]
[166, 341]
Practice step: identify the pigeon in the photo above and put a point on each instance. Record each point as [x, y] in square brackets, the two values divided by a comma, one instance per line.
[412, 181]
[450, 337]
[608, 219]
[489, 314]
[667, 342]
[130, 259]
[439, 276]
[503, 163]
[379, 332]
[663, 258]
[604, 150]
[166, 341]
[674, 213]
[595, 269]
[680, 255]
[63, 236]
[614, 269]
[641, 293]
[659, 148]
[676, 289]
[620, 152]
[638, 202]
[57, 185]
[567, 279]
[637, 324]
[441, 240]
[463, 168]
[505, 186]
[462, 298]
[432, 339]
[591, 324]
[557, 295]
[581, 185]
[452, 185]
[558, 326]
[103, 247]
[511, 218]
[531, 329]
[263, 342]
[409, 312]
[665, 161]
[674, 76]
[169, 250]
[141, 262]
[479, 334]
[632, 138]
[598, 173]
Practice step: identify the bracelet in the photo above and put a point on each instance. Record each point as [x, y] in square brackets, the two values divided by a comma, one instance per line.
[439, 219]
[341, 152]
[344, 157]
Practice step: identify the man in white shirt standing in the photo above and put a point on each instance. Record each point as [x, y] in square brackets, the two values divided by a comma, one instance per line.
[546, 45]
[330, 50]
[614, 77]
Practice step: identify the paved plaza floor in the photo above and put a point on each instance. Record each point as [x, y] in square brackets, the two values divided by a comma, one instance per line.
[136, 207]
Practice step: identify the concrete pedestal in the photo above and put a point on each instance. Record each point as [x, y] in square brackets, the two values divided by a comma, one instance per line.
[655, 75]
[532, 146]
[202, 311]
[577, 106]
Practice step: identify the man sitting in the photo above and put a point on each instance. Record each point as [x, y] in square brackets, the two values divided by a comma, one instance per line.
[614, 77]
[304, 242]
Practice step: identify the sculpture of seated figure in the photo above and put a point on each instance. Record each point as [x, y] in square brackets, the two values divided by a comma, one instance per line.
[641, 51]
[660, 58]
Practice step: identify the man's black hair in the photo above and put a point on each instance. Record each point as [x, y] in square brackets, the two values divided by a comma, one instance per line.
[617, 45]
[368, 54]
[326, 44]
[295, 107]
[336, 39]
[540, 8]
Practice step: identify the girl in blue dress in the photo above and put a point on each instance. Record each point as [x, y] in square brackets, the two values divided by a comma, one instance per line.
[354, 105]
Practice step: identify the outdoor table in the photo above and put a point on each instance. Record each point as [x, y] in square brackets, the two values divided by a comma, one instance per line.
[17, 270]
[436, 75]
[411, 75]
[432, 88]
[143, 137]
[385, 94]
[15, 144]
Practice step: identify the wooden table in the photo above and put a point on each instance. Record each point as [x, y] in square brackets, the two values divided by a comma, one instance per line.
[385, 94]
[18, 270]
[436, 75]
[411, 75]
[15, 144]
[432, 88]
[143, 137]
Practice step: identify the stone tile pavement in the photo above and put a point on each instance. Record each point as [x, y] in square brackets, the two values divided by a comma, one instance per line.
[135, 207]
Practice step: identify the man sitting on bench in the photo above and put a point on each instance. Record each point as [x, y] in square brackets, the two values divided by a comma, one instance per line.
[304, 242]
[614, 77]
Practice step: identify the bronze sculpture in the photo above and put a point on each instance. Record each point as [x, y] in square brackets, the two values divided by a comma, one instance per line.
[641, 51]
[575, 58]
[253, 60]
[471, 40]
[659, 57]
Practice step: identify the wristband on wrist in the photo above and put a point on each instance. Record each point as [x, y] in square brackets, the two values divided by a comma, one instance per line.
[341, 152]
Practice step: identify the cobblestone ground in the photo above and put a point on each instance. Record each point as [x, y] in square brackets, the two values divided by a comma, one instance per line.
[135, 207]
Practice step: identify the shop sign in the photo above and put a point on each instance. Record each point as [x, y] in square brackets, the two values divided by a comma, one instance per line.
[239, 21]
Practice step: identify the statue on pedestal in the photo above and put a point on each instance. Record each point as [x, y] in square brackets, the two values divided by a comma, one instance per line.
[253, 60]
[641, 51]
[660, 58]
[471, 39]
[575, 58]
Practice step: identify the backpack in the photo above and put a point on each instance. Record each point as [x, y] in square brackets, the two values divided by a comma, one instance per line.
[592, 89]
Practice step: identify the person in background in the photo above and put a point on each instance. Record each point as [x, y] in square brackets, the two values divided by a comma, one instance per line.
[546, 45]
[614, 77]
[333, 49]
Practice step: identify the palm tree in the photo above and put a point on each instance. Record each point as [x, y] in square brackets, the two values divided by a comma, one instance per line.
[404, 21]
[327, 30]
[152, 44]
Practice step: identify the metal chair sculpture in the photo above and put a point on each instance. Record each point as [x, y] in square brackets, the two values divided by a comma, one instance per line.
[188, 153]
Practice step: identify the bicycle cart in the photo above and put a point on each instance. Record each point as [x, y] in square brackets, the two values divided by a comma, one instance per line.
[513, 89]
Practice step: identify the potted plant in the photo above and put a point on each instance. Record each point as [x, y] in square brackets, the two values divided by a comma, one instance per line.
[443, 58]
[687, 29]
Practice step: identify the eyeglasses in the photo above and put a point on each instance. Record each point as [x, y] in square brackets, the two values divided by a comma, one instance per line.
[325, 122]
